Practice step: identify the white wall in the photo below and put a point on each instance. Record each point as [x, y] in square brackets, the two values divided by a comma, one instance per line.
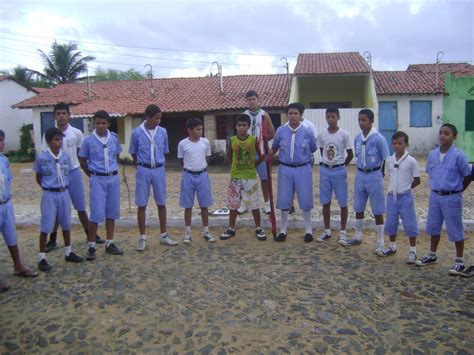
[11, 119]
[37, 125]
[422, 139]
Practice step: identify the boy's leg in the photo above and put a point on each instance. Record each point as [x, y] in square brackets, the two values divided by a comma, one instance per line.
[256, 217]
[303, 185]
[143, 182]
[205, 224]
[42, 263]
[68, 254]
[187, 225]
[452, 212]
[91, 244]
[204, 197]
[234, 198]
[434, 222]
[325, 197]
[64, 219]
[285, 196]
[263, 175]
[52, 242]
[112, 212]
[360, 201]
[141, 220]
[341, 191]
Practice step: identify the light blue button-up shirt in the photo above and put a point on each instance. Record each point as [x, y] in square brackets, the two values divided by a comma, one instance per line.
[448, 174]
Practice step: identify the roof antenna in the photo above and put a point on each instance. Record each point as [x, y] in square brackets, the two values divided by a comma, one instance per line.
[152, 89]
[88, 84]
[284, 60]
[368, 58]
[219, 72]
[439, 55]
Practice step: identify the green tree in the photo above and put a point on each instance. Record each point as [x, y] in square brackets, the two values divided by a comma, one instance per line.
[114, 74]
[27, 76]
[64, 62]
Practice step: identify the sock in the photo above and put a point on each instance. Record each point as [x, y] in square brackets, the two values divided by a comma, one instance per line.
[284, 221]
[187, 229]
[379, 229]
[53, 236]
[91, 244]
[67, 250]
[343, 231]
[142, 237]
[162, 235]
[393, 245]
[432, 254]
[459, 260]
[307, 221]
[41, 256]
[412, 249]
[328, 231]
[108, 242]
[358, 229]
[206, 229]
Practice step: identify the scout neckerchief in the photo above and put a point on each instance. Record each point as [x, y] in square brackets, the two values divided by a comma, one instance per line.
[151, 136]
[59, 172]
[393, 186]
[364, 142]
[2, 180]
[293, 138]
[104, 141]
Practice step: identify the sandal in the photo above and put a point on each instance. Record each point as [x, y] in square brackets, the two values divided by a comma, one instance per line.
[26, 273]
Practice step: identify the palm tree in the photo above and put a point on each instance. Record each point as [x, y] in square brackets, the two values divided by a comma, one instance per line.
[64, 63]
[27, 76]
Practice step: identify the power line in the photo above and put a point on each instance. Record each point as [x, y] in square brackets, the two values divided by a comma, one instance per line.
[156, 58]
[149, 48]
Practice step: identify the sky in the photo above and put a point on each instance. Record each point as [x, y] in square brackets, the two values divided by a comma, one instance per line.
[182, 38]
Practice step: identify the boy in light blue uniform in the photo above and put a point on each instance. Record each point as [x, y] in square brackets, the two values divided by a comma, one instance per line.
[98, 158]
[295, 145]
[449, 175]
[371, 150]
[7, 216]
[148, 146]
[52, 169]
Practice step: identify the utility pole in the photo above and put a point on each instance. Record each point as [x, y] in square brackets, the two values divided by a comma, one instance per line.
[284, 60]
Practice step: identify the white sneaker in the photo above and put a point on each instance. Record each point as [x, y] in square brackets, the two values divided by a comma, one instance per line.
[141, 245]
[187, 238]
[379, 249]
[167, 240]
[266, 207]
[342, 238]
[323, 237]
[242, 208]
[209, 238]
[411, 258]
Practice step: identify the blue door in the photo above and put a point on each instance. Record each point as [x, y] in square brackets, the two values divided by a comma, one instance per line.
[388, 120]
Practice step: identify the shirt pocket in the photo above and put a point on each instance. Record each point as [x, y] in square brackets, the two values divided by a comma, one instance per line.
[452, 171]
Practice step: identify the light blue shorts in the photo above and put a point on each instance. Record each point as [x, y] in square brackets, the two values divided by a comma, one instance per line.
[447, 209]
[369, 185]
[194, 184]
[291, 180]
[333, 180]
[76, 190]
[7, 224]
[55, 205]
[145, 178]
[405, 208]
[262, 171]
[104, 197]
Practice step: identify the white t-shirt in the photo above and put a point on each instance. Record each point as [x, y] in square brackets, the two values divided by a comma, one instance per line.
[194, 153]
[72, 141]
[401, 178]
[334, 146]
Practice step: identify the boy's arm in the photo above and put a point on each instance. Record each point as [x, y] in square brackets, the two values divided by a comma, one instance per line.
[416, 182]
[269, 124]
[84, 167]
[38, 178]
[229, 152]
[466, 182]
[350, 156]
[134, 157]
[259, 153]
[181, 162]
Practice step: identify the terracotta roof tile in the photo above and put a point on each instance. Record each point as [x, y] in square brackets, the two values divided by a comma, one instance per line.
[330, 63]
[405, 82]
[443, 68]
[199, 94]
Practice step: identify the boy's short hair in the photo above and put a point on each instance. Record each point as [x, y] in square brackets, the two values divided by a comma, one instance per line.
[51, 133]
[151, 110]
[193, 122]
[102, 114]
[451, 127]
[368, 113]
[333, 110]
[2, 134]
[251, 93]
[242, 118]
[400, 134]
[61, 106]
[297, 105]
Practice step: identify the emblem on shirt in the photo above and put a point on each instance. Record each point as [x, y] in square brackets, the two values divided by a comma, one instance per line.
[331, 151]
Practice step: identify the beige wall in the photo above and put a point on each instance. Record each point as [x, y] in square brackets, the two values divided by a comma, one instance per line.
[210, 127]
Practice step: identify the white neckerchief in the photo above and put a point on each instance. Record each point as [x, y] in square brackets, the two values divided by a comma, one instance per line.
[59, 171]
[293, 138]
[254, 121]
[151, 137]
[364, 141]
[394, 182]
[103, 141]
[2, 182]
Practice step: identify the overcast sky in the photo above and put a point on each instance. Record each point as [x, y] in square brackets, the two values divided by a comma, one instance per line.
[183, 37]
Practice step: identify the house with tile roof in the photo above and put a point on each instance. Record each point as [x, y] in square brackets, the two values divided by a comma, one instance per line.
[413, 101]
[12, 91]
[179, 99]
